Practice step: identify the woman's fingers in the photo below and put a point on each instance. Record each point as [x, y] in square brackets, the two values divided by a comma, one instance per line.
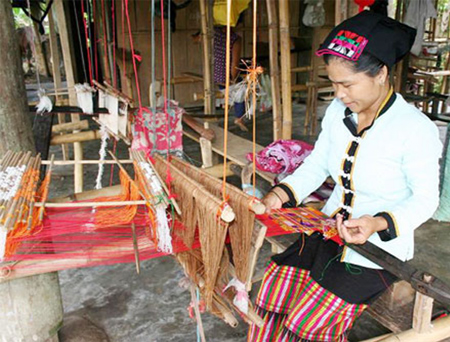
[339, 224]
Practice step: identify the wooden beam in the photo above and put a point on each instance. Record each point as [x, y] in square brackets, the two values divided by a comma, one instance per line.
[217, 170]
[70, 127]
[76, 138]
[274, 68]
[285, 48]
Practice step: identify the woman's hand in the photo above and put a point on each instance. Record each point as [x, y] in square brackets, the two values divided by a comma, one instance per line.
[359, 230]
[274, 199]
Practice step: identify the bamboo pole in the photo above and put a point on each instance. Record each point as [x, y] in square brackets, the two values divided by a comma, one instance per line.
[208, 56]
[69, 68]
[89, 204]
[87, 162]
[56, 73]
[285, 51]
[274, 68]
[88, 195]
[440, 331]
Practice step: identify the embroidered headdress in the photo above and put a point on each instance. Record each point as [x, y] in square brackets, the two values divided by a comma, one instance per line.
[381, 36]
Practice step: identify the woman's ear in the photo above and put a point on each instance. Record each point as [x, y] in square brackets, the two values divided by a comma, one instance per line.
[383, 75]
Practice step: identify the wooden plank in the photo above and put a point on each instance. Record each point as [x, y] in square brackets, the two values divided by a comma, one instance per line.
[237, 149]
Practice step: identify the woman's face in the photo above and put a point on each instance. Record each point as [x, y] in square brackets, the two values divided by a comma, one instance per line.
[358, 91]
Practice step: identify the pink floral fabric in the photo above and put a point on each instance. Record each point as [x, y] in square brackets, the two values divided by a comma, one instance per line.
[282, 156]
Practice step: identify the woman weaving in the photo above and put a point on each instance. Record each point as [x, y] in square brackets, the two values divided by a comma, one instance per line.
[383, 155]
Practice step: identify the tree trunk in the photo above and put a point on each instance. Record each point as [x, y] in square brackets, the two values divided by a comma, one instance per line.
[30, 308]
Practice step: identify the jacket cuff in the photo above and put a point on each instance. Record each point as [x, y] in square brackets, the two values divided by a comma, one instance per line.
[287, 189]
[392, 231]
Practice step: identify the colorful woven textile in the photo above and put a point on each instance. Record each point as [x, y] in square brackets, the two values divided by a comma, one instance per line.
[301, 220]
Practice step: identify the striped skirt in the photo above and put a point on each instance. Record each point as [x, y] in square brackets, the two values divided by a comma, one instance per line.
[307, 294]
[296, 308]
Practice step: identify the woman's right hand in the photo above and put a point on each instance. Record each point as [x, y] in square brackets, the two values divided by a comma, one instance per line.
[273, 200]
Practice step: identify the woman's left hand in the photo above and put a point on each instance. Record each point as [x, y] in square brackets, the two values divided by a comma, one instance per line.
[358, 230]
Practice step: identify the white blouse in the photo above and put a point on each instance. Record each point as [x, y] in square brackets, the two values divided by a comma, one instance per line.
[392, 169]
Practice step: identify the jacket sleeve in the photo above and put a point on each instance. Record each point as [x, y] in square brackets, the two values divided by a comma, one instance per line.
[420, 165]
[314, 170]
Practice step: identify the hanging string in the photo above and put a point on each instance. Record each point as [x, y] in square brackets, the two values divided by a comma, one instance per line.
[84, 16]
[96, 42]
[163, 40]
[254, 76]
[134, 57]
[79, 39]
[170, 114]
[113, 18]
[227, 95]
[153, 123]
[169, 55]
[105, 41]
[124, 68]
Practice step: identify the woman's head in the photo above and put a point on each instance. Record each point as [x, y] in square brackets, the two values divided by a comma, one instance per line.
[360, 84]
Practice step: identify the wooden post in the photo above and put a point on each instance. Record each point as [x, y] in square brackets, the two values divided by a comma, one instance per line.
[68, 66]
[311, 108]
[274, 68]
[31, 308]
[285, 49]
[341, 8]
[56, 73]
[423, 310]
[208, 56]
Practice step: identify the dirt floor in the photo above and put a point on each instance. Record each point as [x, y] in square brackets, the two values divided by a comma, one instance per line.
[114, 303]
